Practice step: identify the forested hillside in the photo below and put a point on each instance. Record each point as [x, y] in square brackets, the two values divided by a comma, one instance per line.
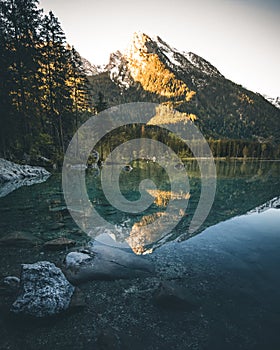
[44, 92]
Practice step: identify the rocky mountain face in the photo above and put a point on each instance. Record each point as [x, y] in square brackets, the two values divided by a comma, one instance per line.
[89, 68]
[151, 70]
[144, 54]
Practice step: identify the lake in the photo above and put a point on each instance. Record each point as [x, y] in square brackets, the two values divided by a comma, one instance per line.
[231, 263]
[41, 210]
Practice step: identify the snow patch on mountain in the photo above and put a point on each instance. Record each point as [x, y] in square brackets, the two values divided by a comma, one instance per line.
[185, 60]
[170, 52]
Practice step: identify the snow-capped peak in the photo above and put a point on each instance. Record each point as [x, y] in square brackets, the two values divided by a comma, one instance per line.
[179, 60]
[125, 67]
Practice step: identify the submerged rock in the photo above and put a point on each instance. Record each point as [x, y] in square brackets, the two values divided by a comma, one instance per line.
[44, 291]
[105, 262]
[170, 295]
[59, 244]
[20, 239]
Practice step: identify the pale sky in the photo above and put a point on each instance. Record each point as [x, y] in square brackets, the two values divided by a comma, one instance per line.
[239, 37]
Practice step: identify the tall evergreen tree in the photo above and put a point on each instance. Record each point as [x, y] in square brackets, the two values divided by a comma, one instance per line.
[56, 94]
[21, 19]
[79, 85]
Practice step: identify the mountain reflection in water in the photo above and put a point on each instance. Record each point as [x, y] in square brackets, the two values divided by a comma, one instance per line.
[242, 186]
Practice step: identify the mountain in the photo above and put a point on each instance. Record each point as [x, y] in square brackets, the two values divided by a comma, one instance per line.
[144, 54]
[89, 68]
[151, 70]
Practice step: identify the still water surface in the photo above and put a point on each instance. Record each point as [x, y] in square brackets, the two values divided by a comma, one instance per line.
[241, 187]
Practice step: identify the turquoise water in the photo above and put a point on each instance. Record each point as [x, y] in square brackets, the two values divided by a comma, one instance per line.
[241, 186]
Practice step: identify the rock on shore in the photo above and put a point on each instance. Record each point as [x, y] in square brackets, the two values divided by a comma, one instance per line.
[10, 171]
[104, 262]
[44, 291]
[13, 176]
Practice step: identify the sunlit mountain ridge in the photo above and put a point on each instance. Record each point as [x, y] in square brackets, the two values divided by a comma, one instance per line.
[151, 70]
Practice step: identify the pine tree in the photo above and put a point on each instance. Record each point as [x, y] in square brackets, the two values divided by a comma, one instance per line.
[22, 20]
[54, 73]
[79, 85]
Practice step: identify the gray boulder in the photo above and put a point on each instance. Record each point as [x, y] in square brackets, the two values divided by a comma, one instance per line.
[12, 171]
[13, 176]
[44, 291]
[106, 263]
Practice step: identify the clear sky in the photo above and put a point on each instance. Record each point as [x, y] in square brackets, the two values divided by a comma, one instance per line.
[239, 37]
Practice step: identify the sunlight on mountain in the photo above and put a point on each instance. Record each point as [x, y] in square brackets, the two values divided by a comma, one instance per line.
[147, 69]
[165, 115]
